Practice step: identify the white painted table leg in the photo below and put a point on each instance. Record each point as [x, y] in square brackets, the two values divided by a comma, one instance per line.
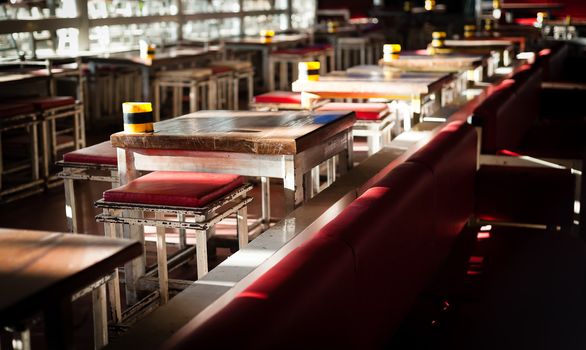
[265, 201]
[242, 226]
[99, 308]
[201, 252]
[162, 262]
[70, 207]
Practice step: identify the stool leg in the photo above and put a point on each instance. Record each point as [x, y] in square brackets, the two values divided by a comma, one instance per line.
[162, 262]
[315, 181]
[45, 141]
[242, 226]
[283, 75]
[21, 339]
[34, 152]
[250, 87]
[70, 205]
[235, 92]
[265, 201]
[99, 308]
[114, 283]
[192, 97]
[157, 100]
[182, 233]
[201, 252]
[331, 170]
[271, 76]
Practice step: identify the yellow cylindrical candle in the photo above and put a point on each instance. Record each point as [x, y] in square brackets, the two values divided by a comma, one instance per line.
[267, 35]
[391, 52]
[138, 117]
[429, 5]
[309, 71]
[469, 30]
[438, 40]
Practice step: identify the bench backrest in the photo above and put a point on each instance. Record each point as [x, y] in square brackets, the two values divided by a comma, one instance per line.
[508, 113]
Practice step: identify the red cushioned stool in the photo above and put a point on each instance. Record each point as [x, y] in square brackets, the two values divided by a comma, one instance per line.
[197, 82]
[69, 113]
[284, 58]
[222, 86]
[16, 120]
[279, 101]
[373, 121]
[206, 198]
[93, 163]
[241, 70]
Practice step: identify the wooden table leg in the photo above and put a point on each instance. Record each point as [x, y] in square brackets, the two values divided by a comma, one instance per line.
[100, 316]
[135, 268]
[58, 320]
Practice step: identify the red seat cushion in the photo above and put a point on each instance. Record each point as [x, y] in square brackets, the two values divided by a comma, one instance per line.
[8, 110]
[220, 69]
[363, 111]
[285, 97]
[43, 103]
[175, 188]
[298, 51]
[102, 154]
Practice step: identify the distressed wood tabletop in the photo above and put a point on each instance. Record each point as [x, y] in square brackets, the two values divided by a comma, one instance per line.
[269, 133]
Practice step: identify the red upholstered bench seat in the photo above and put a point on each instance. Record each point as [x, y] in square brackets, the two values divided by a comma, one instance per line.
[175, 188]
[100, 154]
[220, 69]
[363, 111]
[8, 110]
[43, 103]
[278, 97]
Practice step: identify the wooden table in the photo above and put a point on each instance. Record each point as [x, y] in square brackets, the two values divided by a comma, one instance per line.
[484, 46]
[265, 47]
[285, 145]
[423, 90]
[40, 271]
[172, 57]
[422, 61]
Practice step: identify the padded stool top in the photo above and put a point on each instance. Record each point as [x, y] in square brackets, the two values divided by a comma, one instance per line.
[233, 64]
[48, 102]
[100, 154]
[8, 110]
[364, 111]
[298, 51]
[185, 74]
[175, 188]
[285, 97]
[221, 69]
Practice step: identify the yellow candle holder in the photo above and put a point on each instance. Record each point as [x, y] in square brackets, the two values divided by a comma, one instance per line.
[332, 26]
[391, 52]
[267, 35]
[138, 117]
[429, 5]
[309, 71]
[438, 40]
[407, 6]
[469, 31]
[488, 25]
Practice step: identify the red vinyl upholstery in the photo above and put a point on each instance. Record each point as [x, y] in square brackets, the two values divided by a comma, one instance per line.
[299, 51]
[304, 301]
[284, 97]
[8, 110]
[451, 156]
[175, 188]
[101, 153]
[391, 246]
[524, 194]
[220, 69]
[363, 111]
[44, 103]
